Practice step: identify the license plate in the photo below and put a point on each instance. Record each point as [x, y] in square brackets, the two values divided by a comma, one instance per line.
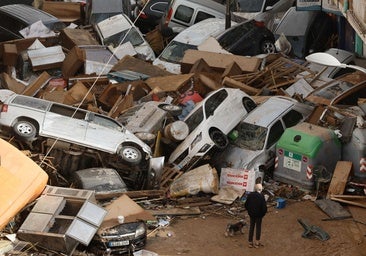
[118, 243]
[292, 161]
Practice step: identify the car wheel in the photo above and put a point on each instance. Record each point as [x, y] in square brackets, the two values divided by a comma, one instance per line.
[130, 155]
[25, 129]
[135, 11]
[268, 46]
[219, 138]
[174, 110]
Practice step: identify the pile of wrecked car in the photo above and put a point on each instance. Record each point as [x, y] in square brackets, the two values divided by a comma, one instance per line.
[88, 123]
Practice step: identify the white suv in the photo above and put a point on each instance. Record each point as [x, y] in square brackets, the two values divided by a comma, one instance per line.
[29, 117]
[209, 123]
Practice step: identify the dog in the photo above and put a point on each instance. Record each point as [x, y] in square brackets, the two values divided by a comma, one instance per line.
[231, 229]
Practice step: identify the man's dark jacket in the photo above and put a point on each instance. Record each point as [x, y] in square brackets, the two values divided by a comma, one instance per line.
[256, 205]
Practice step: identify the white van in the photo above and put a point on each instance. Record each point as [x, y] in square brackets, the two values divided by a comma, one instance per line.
[189, 38]
[188, 12]
[29, 118]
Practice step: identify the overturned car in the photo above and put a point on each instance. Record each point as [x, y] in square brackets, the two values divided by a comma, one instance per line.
[74, 131]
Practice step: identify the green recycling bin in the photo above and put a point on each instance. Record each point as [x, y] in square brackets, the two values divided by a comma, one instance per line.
[303, 148]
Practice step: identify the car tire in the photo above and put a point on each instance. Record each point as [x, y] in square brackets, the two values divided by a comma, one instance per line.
[130, 155]
[174, 110]
[267, 46]
[135, 11]
[219, 138]
[25, 129]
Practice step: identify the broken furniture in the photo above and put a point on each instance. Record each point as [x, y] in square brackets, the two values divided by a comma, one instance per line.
[61, 218]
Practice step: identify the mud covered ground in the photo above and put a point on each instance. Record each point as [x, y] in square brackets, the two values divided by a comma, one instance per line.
[203, 234]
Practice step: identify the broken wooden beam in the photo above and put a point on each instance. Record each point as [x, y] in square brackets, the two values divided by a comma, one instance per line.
[229, 82]
[351, 200]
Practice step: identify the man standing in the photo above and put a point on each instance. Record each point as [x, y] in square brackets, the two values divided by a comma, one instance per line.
[257, 207]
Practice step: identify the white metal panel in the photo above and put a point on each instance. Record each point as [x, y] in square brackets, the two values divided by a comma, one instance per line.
[46, 56]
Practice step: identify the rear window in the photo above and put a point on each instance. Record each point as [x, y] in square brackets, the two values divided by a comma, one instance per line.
[11, 23]
[292, 118]
[30, 102]
[184, 13]
[202, 16]
[233, 34]
[250, 5]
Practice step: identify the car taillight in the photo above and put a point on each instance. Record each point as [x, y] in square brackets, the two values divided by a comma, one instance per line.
[4, 108]
[142, 15]
[169, 16]
[259, 24]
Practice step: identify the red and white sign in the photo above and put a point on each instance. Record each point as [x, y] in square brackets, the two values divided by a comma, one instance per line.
[240, 178]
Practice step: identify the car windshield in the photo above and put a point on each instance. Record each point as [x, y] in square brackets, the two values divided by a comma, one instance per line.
[232, 34]
[251, 5]
[250, 136]
[194, 119]
[132, 36]
[174, 52]
[331, 92]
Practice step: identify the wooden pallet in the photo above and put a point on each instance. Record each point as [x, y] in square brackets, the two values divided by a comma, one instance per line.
[169, 175]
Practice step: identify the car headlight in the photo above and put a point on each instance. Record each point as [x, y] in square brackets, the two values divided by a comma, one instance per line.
[141, 230]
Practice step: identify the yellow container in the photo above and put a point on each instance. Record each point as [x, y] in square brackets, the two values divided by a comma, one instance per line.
[21, 181]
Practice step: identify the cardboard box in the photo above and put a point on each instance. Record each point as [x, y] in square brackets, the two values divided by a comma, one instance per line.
[240, 178]
[46, 58]
[218, 61]
[74, 61]
[65, 11]
[69, 38]
[77, 93]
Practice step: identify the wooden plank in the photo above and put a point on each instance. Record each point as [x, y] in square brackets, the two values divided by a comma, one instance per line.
[123, 102]
[229, 82]
[65, 11]
[39, 83]
[171, 83]
[176, 211]
[339, 179]
[359, 203]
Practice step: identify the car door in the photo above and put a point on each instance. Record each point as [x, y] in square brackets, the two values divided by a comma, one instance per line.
[291, 118]
[274, 134]
[66, 123]
[217, 111]
[104, 133]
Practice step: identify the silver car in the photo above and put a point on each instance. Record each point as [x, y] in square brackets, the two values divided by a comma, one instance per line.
[253, 140]
[30, 117]
[209, 123]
